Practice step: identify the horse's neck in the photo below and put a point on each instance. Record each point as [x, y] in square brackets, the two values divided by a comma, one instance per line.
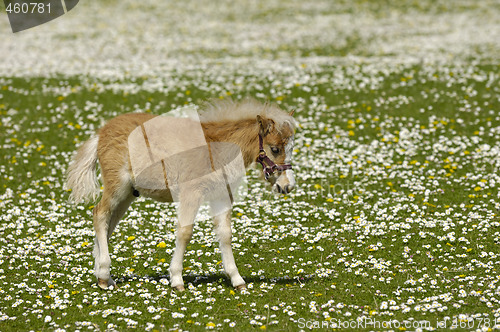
[244, 133]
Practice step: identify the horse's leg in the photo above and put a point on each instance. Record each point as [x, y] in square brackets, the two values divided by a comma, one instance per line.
[118, 213]
[102, 216]
[106, 216]
[188, 208]
[222, 226]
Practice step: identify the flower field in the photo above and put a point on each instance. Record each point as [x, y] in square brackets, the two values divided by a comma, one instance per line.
[395, 218]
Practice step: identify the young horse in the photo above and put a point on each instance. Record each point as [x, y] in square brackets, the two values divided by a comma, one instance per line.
[262, 132]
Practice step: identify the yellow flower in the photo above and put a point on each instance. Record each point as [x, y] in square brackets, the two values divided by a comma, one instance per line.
[130, 238]
[210, 324]
[161, 245]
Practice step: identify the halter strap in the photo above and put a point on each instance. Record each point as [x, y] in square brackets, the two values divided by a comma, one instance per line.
[268, 166]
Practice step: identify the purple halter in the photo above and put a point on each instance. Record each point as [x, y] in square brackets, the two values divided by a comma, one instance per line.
[268, 166]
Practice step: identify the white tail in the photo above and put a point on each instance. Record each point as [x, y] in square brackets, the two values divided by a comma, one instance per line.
[82, 174]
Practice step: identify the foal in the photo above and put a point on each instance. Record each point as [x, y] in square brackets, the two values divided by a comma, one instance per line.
[261, 132]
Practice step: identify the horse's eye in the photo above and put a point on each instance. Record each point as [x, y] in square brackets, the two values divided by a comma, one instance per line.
[275, 150]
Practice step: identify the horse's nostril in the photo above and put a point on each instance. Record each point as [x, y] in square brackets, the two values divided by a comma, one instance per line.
[288, 188]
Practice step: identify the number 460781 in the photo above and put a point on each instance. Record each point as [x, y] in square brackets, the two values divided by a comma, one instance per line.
[28, 8]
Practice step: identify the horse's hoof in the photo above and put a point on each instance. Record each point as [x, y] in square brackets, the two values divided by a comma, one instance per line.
[180, 288]
[241, 287]
[104, 284]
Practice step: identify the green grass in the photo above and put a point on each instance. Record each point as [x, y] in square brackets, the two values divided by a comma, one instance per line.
[395, 214]
[294, 251]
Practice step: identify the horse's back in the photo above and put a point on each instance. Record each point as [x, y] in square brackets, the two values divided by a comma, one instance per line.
[118, 128]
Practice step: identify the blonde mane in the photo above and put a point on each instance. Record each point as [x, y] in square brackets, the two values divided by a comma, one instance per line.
[217, 110]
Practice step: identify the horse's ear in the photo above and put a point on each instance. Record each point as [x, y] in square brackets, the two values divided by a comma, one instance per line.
[291, 113]
[265, 125]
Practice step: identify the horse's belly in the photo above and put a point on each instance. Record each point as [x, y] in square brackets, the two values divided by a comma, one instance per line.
[160, 195]
[152, 183]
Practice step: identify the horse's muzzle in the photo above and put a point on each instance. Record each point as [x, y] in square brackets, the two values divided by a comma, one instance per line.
[284, 189]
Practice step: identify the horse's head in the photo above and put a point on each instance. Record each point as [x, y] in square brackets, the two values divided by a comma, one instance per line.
[276, 146]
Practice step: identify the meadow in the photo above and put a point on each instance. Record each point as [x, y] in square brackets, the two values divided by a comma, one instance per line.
[394, 224]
